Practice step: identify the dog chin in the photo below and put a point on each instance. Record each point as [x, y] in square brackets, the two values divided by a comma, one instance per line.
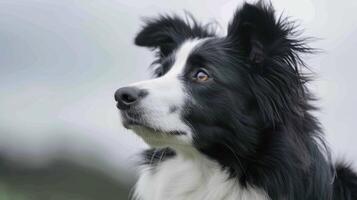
[158, 138]
[154, 136]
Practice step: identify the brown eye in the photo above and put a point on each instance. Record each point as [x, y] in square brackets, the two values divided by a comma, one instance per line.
[159, 72]
[201, 76]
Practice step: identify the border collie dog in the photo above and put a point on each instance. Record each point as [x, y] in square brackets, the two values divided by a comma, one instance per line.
[229, 117]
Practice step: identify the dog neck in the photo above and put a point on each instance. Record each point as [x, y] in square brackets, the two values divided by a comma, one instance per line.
[189, 175]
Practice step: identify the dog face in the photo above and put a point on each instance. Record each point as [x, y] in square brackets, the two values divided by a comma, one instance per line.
[214, 92]
[192, 89]
[157, 113]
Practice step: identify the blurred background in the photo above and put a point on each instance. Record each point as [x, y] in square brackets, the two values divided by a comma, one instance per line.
[61, 61]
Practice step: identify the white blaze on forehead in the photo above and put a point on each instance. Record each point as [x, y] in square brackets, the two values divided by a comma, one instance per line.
[181, 56]
[168, 92]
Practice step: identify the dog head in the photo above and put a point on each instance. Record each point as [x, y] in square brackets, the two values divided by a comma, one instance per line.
[212, 91]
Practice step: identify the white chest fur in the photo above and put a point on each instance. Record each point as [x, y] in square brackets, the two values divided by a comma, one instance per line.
[180, 178]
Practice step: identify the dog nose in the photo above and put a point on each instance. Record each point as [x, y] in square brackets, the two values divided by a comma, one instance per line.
[127, 97]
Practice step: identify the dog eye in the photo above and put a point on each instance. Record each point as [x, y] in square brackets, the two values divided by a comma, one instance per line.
[159, 72]
[201, 76]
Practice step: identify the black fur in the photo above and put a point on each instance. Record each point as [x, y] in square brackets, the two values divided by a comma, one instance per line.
[345, 185]
[166, 33]
[153, 157]
[255, 115]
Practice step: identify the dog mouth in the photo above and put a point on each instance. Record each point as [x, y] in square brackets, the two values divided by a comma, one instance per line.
[130, 119]
[133, 120]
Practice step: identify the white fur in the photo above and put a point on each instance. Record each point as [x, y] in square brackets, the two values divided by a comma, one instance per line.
[192, 177]
[189, 175]
[163, 93]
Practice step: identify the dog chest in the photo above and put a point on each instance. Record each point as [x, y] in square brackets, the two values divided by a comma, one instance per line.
[199, 179]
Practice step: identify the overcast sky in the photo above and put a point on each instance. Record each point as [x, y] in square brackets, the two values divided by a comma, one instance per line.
[61, 62]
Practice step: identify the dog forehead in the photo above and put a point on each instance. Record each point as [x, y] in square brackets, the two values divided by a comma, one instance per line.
[182, 54]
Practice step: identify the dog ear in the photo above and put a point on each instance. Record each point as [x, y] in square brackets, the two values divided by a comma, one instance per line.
[166, 33]
[271, 48]
[257, 33]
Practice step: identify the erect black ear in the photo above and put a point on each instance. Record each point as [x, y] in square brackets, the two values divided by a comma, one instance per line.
[167, 32]
[271, 47]
[258, 34]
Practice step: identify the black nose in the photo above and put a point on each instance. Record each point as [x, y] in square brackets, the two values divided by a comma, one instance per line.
[128, 96]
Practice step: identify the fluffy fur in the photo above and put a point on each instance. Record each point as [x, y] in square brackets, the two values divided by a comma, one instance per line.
[245, 132]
